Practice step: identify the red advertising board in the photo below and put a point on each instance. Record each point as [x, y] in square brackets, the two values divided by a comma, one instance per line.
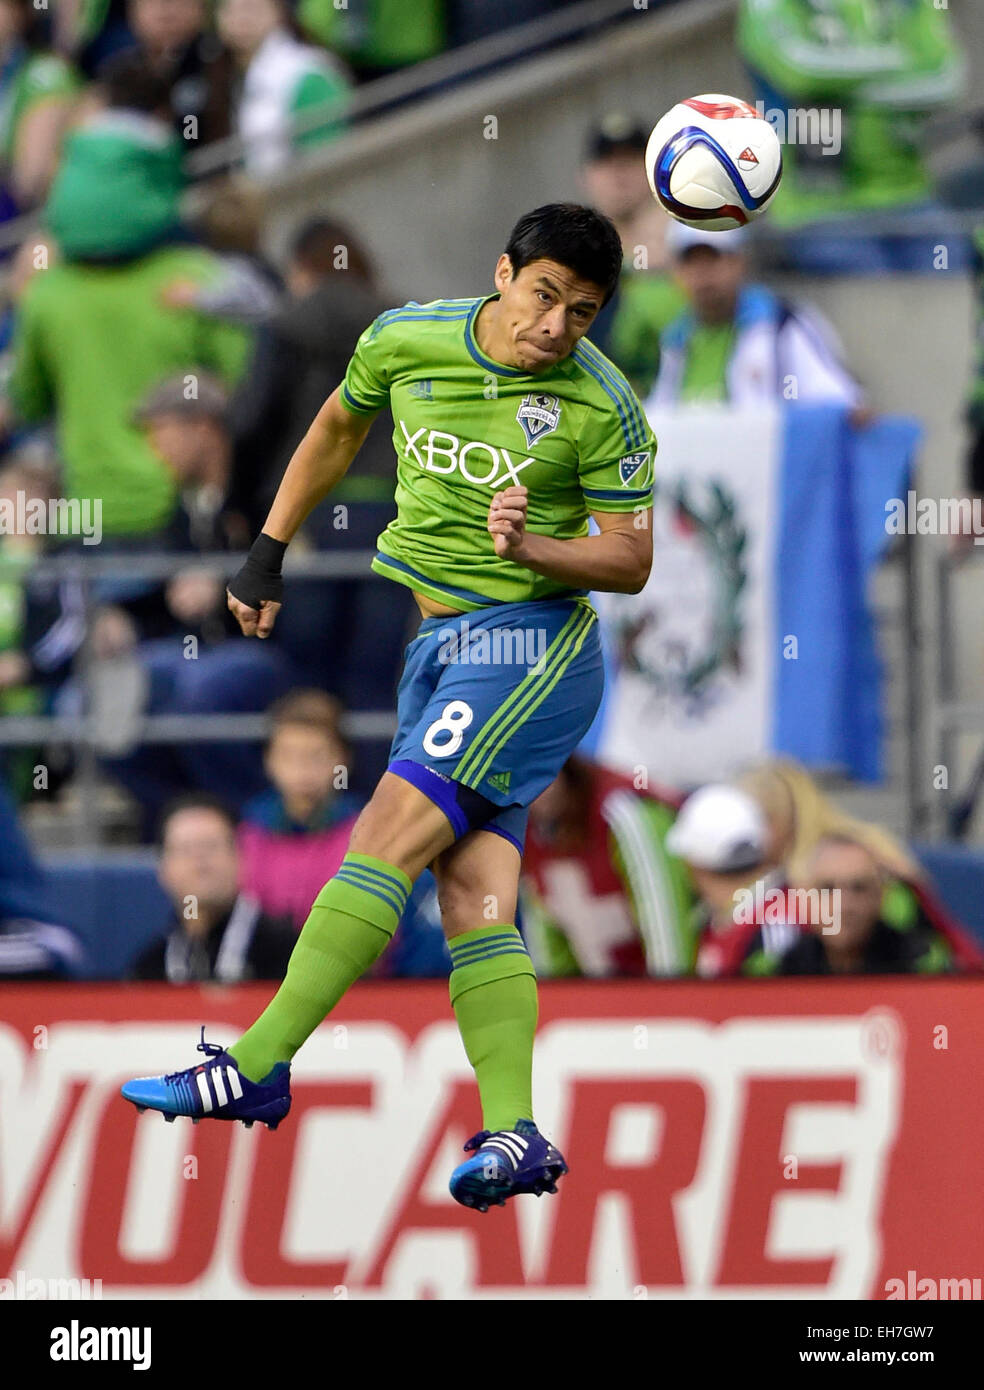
[760, 1138]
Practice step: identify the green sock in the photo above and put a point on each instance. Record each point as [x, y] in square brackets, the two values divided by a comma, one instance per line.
[493, 993]
[351, 923]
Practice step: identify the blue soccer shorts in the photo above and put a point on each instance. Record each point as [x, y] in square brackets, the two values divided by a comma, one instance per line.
[491, 705]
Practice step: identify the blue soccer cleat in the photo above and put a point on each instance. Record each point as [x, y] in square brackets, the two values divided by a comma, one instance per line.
[504, 1164]
[214, 1090]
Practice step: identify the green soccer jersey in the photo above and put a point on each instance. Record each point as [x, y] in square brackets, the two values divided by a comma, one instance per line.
[465, 427]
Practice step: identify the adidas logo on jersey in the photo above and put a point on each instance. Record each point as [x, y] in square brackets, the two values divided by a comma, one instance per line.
[422, 390]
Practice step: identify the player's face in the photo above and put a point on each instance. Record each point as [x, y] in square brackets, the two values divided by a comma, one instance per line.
[543, 311]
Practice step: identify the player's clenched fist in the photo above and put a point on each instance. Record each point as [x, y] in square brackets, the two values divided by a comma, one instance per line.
[254, 595]
[507, 521]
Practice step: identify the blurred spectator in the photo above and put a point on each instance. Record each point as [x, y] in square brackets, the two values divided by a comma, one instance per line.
[376, 36]
[218, 932]
[855, 938]
[602, 896]
[37, 92]
[721, 836]
[176, 649]
[89, 342]
[186, 419]
[90, 31]
[295, 835]
[280, 80]
[31, 946]
[41, 621]
[347, 634]
[118, 191]
[301, 358]
[249, 288]
[173, 35]
[880, 70]
[739, 342]
[647, 298]
[798, 815]
[975, 407]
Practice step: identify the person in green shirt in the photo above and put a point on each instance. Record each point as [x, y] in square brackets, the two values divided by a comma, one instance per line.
[117, 193]
[280, 81]
[89, 343]
[376, 36]
[740, 343]
[648, 298]
[880, 67]
[37, 93]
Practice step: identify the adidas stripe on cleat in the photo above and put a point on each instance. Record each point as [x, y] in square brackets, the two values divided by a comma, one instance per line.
[505, 1164]
[216, 1090]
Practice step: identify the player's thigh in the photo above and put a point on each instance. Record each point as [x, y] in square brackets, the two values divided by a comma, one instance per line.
[477, 882]
[401, 826]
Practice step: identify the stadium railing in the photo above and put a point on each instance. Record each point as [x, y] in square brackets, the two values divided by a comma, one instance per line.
[81, 733]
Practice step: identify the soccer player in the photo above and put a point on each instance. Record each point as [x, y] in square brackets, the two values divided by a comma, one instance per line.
[511, 429]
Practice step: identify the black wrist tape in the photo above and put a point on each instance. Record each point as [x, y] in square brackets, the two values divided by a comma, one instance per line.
[260, 581]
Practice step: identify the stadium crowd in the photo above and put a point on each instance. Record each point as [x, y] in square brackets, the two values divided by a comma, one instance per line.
[161, 364]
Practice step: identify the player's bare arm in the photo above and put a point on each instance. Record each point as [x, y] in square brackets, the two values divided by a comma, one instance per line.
[319, 463]
[616, 561]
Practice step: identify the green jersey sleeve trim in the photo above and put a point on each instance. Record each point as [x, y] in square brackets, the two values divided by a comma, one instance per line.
[356, 407]
[635, 427]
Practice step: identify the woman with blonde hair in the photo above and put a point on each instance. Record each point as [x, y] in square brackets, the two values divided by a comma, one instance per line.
[800, 815]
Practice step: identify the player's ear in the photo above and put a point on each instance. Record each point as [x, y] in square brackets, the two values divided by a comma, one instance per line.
[503, 272]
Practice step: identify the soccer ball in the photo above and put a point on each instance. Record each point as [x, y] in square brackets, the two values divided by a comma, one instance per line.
[714, 162]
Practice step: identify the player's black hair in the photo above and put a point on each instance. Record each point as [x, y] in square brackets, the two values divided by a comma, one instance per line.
[574, 236]
[194, 801]
[131, 82]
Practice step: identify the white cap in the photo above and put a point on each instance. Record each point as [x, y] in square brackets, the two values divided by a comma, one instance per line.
[720, 828]
[680, 238]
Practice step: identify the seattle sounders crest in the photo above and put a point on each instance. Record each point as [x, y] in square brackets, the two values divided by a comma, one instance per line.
[538, 415]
